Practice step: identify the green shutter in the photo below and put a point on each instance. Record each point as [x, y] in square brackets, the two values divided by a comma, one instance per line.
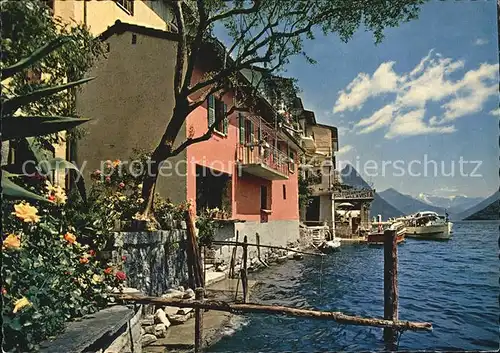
[225, 120]
[259, 133]
[241, 119]
[251, 132]
[211, 110]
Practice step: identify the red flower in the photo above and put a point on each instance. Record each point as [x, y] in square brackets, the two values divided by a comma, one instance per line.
[84, 260]
[124, 258]
[52, 197]
[92, 252]
[4, 291]
[108, 271]
[121, 185]
[108, 179]
[67, 272]
[121, 276]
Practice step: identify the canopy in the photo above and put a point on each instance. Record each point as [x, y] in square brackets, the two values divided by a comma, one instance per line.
[345, 204]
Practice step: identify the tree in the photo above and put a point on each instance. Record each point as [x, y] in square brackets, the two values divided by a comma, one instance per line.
[263, 34]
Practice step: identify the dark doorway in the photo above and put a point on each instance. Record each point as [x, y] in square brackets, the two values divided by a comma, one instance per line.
[312, 212]
[263, 197]
[213, 190]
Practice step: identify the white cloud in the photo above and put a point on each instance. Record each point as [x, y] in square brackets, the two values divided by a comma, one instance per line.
[344, 149]
[495, 112]
[412, 123]
[383, 80]
[481, 41]
[342, 130]
[429, 81]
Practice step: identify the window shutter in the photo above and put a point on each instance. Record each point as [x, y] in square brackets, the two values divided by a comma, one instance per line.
[251, 132]
[259, 133]
[211, 110]
[225, 120]
[241, 119]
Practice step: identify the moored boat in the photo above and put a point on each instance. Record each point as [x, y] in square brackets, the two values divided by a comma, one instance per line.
[428, 225]
[377, 238]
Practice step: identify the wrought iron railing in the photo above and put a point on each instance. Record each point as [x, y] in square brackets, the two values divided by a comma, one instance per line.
[269, 156]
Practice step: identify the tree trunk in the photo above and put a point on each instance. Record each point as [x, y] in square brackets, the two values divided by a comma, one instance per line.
[161, 153]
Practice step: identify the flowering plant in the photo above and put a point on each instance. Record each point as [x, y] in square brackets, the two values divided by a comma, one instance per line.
[48, 275]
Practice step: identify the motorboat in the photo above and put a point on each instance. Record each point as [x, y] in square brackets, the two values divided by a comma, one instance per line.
[428, 225]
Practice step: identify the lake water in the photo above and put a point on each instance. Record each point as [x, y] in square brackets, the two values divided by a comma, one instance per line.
[454, 285]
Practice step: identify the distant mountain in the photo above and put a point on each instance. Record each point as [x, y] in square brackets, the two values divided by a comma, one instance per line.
[379, 206]
[489, 213]
[406, 203]
[479, 207]
[454, 204]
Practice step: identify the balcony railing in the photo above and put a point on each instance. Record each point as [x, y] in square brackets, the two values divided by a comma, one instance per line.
[265, 162]
[353, 194]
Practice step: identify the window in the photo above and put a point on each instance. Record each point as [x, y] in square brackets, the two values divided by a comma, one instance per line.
[127, 5]
[284, 192]
[217, 110]
[291, 164]
[263, 197]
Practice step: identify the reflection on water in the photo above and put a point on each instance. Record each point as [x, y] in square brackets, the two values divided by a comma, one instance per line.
[452, 284]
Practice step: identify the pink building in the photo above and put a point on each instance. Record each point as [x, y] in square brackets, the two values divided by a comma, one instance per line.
[248, 169]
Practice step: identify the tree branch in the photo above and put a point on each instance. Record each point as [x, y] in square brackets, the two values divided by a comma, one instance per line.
[181, 47]
[235, 12]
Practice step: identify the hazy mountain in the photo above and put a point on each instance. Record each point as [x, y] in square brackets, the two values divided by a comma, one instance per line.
[490, 212]
[379, 206]
[406, 203]
[479, 207]
[454, 204]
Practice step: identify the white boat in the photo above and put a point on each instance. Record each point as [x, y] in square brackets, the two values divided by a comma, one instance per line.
[331, 243]
[428, 225]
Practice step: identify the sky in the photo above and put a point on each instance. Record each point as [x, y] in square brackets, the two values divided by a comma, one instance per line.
[419, 111]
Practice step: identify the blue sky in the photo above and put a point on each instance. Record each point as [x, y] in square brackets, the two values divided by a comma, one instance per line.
[429, 89]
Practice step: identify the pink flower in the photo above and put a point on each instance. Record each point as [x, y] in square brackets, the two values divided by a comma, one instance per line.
[124, 258]
[108, 179]
[121, 185]
[121, 276]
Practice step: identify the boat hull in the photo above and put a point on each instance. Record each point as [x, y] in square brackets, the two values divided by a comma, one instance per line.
[437, 232]
[378, 239]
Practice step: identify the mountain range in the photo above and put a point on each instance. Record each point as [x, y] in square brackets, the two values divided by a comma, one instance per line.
[391, 203]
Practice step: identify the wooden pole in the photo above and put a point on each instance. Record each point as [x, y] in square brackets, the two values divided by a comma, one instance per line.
[390, 285]
[233, 256]
[228, 242]
[198, 325]
[244, 273]
[278, 310]
[257, 237]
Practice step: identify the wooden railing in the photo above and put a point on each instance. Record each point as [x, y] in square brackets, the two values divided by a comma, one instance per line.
[269, 156]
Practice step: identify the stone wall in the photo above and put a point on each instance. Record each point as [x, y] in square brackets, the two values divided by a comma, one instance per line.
[283, 233]
[155, 261]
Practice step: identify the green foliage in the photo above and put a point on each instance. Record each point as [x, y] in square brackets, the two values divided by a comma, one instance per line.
[305, 189]
[58, 277]
[207, 226]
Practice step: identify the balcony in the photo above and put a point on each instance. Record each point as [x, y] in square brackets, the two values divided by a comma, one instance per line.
[264, 162]
[363, 194]
[308, 143]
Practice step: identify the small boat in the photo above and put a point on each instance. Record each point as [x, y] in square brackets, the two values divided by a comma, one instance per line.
[378, 238]
[428, 225]
[330, 245]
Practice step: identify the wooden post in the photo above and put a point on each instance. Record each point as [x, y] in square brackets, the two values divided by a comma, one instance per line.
[257, 238]
[244, 278]
[390, 285]
[233, 256]
[198, 325]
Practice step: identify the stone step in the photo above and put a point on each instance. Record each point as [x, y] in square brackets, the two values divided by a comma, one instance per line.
[212, 277]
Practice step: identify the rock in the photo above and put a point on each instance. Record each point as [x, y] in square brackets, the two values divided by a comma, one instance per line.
[183, 225]
[161, 318]
[222, 268]
[184, 311]
[142, 331]
[147, 339]
[189, 294]
[173, 294]
[160, 330]
[149, 329]
[170, 310]
[147, 320]
[298, 256]
[179, 319]
[180, 289]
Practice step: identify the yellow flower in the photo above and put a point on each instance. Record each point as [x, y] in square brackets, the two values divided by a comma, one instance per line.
[12, 241]
[140, 200]
[116, 163]
[122, 198]
[26, 212]
[70, 238]
[96, 279]
[21, 303]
